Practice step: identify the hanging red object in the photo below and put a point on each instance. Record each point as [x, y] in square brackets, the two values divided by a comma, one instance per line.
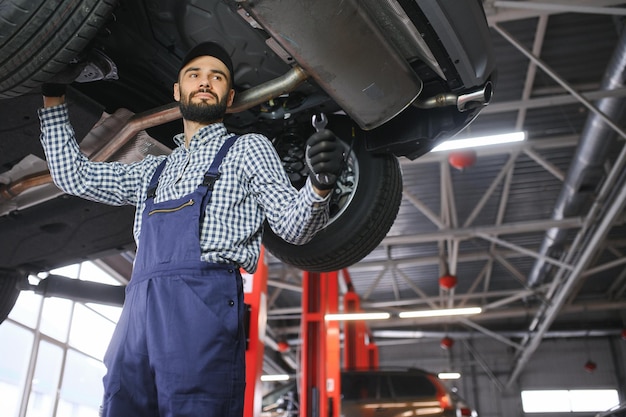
[447, 281]
[462, 159]
[283, 346]
[446, 343]
[590, 366]
[623, 334]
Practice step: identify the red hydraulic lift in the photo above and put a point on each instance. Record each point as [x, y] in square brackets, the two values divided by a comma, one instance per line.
[320, 360]
[359, 350]
[320, 392]
[255, 298]
[320, 357]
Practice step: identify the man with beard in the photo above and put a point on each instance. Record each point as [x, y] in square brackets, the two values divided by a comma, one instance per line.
[178, 348]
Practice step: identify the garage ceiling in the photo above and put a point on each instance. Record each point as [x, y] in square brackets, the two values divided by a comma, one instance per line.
[535, 232]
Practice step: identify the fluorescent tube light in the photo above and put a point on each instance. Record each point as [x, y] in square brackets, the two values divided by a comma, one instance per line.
[449, 375]
[480, 141]
[440, 313]
[357, 316]
[273, 378]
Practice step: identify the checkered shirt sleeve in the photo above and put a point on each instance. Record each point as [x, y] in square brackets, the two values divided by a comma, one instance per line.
[111, 183]
[252, 187]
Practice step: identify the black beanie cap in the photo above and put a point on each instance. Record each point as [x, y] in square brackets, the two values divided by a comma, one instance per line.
[209, 49]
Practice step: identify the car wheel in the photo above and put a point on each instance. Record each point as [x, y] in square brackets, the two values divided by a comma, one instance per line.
[40, 38]
[9, 292]
[363, 207]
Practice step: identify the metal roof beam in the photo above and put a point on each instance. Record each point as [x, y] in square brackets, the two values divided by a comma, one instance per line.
[399, 335]
[548, 70]
[556, 7]
[525, 10]
[557, 303]
[528, 252]
[480, 231]
[489, 333]
[502, 314]
[540, 34]
[505, 297]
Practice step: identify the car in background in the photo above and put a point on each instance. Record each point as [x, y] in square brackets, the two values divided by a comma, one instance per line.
[398, 393]
[393, 77]
[380, 393]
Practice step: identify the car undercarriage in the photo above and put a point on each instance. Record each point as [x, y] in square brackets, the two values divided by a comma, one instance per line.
[394, 78]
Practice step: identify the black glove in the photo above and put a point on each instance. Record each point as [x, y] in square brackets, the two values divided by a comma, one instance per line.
[57, 85]
[53, 89]
[324, 158]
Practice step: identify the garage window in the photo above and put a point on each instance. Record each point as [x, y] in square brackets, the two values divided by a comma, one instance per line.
[53, 365]
[559, 401]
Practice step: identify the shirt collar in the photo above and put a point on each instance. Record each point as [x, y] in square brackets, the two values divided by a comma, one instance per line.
[202, 136]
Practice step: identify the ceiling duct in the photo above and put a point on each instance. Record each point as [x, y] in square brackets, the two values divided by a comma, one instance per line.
[587, 167]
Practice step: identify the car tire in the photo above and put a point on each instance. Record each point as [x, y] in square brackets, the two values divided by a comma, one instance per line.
[359, 227]
[40, 38]
[9, 292]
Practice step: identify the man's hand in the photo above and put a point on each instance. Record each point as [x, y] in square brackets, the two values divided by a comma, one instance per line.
[53, 94]
[54, 90]
[324, 158]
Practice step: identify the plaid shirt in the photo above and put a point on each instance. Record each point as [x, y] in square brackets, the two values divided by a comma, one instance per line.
[252, 187]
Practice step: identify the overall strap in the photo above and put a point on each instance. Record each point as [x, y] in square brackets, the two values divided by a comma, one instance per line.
[213, 173]
[154, 182]
[210, 176]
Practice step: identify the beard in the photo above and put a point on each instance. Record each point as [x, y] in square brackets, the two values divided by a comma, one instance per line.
[203, 112]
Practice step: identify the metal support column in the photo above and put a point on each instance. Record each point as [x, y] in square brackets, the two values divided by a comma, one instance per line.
[320, 383]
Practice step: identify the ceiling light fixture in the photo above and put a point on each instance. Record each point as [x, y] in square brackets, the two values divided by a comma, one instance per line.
[480, 141]
[273, 378]
[440, 313]
[449, 375]
[356, 316]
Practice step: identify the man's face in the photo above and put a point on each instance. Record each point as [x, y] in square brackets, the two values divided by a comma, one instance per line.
[203, 90]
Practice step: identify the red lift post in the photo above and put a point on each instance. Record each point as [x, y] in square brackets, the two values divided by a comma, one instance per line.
[320, 357]
[320, 390]
[320, 394]
[359, 350]
[255, 298]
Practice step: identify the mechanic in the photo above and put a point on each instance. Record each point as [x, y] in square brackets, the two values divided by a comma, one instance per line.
[179, 346]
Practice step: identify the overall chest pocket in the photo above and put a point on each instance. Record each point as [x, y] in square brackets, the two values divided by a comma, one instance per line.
[172, 209]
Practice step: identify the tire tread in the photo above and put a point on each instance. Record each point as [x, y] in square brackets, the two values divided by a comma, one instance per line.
[319, 255]
[42, 45]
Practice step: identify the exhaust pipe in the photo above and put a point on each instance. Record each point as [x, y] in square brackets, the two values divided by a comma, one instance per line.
[463, 102]
[170, 112]
[475, 99]
[254, 96]
[121, 130]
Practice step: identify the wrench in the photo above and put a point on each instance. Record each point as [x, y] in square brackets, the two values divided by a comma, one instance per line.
[319, 122]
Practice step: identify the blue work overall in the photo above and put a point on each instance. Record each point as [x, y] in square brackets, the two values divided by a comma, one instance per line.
[179, 346]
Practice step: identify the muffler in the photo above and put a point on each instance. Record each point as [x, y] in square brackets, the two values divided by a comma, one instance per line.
[338, 44]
